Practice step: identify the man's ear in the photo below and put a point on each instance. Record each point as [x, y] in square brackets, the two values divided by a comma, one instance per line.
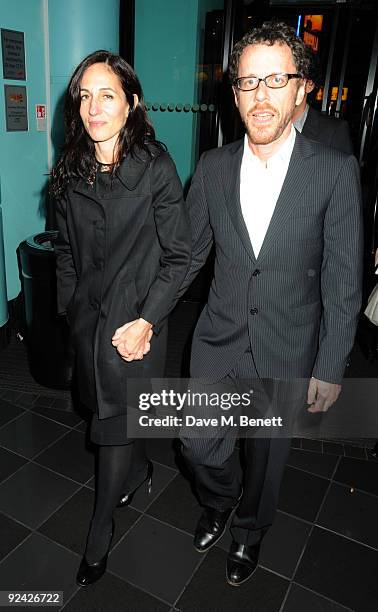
[300, 93]
[236, 95]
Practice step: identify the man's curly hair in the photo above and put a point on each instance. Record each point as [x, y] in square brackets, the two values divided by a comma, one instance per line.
[271, 33]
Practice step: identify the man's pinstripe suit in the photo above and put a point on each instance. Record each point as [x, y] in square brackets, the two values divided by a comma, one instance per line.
[292, 311]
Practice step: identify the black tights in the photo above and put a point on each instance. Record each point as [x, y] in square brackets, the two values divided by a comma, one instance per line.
[120, 469]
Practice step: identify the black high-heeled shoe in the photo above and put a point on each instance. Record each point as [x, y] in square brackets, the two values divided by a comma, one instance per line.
[91, 572]
[126, 498]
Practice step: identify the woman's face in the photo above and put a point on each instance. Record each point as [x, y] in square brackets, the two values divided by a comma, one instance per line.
[104, 108]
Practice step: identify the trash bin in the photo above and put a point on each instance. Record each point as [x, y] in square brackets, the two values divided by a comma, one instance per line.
[47, 333]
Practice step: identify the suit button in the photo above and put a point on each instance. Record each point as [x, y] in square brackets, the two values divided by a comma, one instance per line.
[94, 304]
[97, 265]
[254, 311]
[256, 272]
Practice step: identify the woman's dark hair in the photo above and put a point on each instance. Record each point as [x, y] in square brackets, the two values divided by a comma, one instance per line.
[78, 155]
[271, 33]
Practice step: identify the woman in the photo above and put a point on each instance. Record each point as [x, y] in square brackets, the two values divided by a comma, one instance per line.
[122, 253]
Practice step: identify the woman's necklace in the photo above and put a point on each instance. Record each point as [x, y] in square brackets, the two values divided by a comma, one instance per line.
[106, 167]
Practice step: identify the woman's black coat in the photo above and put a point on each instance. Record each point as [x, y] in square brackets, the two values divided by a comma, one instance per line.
[116, 261]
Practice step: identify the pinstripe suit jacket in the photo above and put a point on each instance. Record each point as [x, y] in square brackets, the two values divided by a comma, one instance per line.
[296, 304]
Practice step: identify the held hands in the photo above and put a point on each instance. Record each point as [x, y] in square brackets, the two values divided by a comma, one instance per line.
[321, 395]
[132, 340]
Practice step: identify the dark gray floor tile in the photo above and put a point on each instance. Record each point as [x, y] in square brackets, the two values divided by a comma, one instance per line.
[300, 599]
[69, 525]
[115, 595]
[83, 426]
[312, 445]
[60, 403]
[296, 443]
[10, 395]
[359, 474]
[11, 534]
[44, 400]
[39, 565]
[8, 411]
[70, 457]
[156, 558]
[61, 416]
[177, 505]
[351, 513]
[341, 570]
[333, 448]
[33, 493]
[30, 434]
[354, 451]
[283, 544]
[301, 493]
[316, 463]
[163, 451]
[26, 400]
[208, 589]
[9, 463]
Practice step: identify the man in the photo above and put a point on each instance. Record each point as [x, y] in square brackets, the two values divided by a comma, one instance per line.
[315, 125]
[284, 214]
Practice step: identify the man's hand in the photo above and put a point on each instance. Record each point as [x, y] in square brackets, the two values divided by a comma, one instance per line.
[132, 340]
[321, 395]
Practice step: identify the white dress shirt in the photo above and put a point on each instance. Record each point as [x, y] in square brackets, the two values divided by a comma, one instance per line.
[260, 186]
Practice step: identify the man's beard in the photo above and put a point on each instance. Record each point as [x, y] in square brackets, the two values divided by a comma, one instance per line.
[262, 135]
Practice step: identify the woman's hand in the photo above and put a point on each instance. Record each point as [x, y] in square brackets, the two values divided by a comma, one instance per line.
[132, 340]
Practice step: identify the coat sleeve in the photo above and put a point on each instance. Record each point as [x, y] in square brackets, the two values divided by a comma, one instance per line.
[65, 269]
[173, 231]
[201, 231]
[341, 274]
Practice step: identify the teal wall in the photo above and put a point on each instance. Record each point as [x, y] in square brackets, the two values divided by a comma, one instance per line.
[23, 155]
[76, 28]
[168, 39]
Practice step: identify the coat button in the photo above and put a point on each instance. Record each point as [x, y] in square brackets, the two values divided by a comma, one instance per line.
[256, 272]
[254, 311]
[94, 304]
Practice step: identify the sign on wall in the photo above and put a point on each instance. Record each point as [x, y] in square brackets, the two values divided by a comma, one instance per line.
[13, 49]
[16, 108]
[40, 114]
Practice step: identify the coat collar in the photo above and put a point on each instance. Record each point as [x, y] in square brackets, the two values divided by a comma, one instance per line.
[132, 168]
[298, 175]
[130, 171]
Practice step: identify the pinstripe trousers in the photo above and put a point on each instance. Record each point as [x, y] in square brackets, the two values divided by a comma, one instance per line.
[216, 467]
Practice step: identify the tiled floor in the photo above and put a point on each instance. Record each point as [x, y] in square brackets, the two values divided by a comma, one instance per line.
[321, 555]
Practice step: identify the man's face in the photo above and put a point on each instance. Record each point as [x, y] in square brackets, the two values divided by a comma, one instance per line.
[266, 113]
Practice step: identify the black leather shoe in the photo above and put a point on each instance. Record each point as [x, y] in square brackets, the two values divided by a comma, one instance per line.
[210, 528]
[242, 561]
[91, 572]
[127, 497]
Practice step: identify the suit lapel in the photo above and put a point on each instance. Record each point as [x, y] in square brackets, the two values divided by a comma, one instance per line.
[298, 176]
[231, 188]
